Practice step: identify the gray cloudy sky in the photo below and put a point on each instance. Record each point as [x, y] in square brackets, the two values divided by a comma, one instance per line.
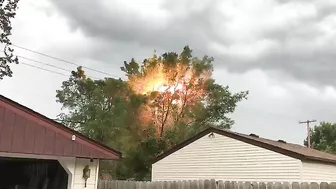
[282, 51]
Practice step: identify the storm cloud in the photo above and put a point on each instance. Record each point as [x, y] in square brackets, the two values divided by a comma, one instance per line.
[282, 51]
[294, 37]
[148, 25]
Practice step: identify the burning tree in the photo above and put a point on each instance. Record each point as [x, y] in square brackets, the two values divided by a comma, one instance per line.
[180, 91]
[165, 100]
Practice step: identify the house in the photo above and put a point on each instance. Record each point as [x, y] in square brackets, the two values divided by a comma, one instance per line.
[37, 152]
[224, 155]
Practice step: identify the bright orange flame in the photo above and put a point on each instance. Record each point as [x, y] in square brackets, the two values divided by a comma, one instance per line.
[156, 80]
[168, 82]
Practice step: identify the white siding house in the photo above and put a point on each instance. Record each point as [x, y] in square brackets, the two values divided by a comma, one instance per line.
[223, 155]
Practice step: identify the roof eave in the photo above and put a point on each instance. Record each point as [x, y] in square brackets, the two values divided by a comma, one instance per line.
[318, 160]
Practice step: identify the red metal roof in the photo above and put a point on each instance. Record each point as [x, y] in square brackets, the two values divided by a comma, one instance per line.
[23, 130]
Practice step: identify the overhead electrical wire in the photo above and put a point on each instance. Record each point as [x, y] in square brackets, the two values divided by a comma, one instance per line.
[50, 65]
[62, 60]
[64, 69]
[44, 69]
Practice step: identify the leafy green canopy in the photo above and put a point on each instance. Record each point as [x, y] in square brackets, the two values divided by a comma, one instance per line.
[323, 137]
[165, 100]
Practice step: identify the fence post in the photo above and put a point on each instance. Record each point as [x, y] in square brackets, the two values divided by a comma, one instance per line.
[221, 184]
[296, 185]
[131, 185]
[201, 184]
[278, 185]
[254, 185]
[269, 185]
[304, 185]
[195, 184]
[286, 185]
[213, 184]
[100, 184]
[262, 185]
[184, 184]
[247, 185]
[206, 184]
[240, 185]
[227, 185]
[324, 185]
[333, 185]
[314, 185]
[235, 185]
[173, 185]
[189, 183]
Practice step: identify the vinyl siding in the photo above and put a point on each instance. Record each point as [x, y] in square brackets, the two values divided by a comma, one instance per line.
[74, 167]
[69, 166]
[78, 180]
[224, 158]
[317, 172]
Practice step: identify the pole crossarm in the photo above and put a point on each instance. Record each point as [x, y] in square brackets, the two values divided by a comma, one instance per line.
[307, 122]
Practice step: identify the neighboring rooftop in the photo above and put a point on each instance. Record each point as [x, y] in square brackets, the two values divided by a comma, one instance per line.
[293, 150]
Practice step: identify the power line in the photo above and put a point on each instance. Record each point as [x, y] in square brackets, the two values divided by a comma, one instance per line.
[47, 64]
[64, 69]
[44, 69]
[52, 71]
[308, 129]
[62, 60]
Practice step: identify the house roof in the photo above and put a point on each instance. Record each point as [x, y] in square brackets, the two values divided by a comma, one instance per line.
[22, 130]
[292, 150]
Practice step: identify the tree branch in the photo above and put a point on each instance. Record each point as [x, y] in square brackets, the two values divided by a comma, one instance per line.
[170, 100]
[182, 107]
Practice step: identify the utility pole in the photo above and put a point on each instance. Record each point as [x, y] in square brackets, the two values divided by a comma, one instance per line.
[308, 129]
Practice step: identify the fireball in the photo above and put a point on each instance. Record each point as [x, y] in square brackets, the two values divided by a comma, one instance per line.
[177, 87]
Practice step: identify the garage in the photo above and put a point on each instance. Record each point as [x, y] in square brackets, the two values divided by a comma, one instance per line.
[39, 153]
[21, 173]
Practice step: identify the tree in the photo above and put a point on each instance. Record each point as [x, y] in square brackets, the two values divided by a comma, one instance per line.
[164, 100]
[7, 12]
[104, 110]
[181, 91]
[100, 109]
[323, 137]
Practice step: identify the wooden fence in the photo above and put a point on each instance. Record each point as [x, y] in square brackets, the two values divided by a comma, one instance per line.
[211, 184]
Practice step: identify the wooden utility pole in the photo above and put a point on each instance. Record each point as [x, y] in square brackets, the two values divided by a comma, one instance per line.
[308, 129]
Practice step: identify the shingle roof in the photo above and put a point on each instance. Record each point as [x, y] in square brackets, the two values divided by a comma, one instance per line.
[292, 150]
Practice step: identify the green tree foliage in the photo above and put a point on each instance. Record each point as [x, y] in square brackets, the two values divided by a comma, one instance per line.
[323, 137]
[165, 100]
[7, 12]
[101, 109]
